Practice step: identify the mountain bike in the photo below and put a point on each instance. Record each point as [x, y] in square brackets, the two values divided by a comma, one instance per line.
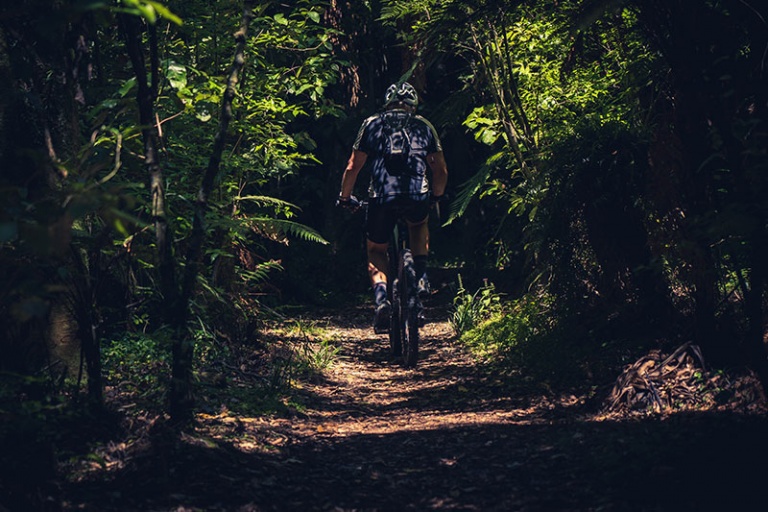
[403, 292]
[404, 295]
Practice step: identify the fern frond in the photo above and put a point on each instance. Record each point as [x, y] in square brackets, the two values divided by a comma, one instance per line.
[261, 273]
[280, 229]
[472, 186]
[268, 201]
[394, 10]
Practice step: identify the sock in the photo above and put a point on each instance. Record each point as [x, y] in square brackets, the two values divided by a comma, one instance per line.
[420, 265]
[379, 293]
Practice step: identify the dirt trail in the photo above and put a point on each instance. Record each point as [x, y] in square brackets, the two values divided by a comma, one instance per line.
[366, 392]
[447, 435]
[377, 436]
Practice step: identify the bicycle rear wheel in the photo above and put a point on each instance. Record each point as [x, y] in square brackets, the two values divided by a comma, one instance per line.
[395, 336]
[408, 309]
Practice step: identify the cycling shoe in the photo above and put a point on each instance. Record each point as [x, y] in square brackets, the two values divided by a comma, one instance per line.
[381, 318]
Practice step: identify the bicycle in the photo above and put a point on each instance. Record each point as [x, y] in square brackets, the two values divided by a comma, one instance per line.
[403, 293]
[405, 318]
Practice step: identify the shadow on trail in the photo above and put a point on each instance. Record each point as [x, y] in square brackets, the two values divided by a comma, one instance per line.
[441, 437]
[688, 462]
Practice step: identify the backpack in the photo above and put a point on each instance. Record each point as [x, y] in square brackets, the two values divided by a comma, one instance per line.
[397, 144]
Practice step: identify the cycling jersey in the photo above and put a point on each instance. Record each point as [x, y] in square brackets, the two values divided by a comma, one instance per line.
[388, 184]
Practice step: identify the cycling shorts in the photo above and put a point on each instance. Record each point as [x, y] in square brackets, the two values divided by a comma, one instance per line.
[382, 217]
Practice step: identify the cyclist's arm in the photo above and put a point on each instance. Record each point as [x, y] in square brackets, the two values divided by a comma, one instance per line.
[356, 161]
[439, 169]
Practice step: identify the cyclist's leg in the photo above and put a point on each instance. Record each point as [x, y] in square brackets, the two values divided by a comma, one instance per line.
[379, 225]
[418, 230]
[378, 264]
[419, 237]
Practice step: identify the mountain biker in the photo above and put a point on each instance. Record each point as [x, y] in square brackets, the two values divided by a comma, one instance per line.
[401, 146]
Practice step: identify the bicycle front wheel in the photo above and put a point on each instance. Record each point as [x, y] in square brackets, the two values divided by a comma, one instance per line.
[408, 309]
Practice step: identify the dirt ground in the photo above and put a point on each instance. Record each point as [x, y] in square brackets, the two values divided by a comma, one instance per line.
[370, 435]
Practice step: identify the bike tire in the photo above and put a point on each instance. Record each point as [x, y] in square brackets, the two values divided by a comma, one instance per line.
[395, 336]
[408, 309]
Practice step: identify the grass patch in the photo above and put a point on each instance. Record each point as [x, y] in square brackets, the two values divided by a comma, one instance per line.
[526, 337]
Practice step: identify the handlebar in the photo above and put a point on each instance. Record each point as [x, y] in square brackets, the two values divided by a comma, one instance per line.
[354, 204]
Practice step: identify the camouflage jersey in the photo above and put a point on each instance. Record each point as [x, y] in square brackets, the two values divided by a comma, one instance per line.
[391, 179]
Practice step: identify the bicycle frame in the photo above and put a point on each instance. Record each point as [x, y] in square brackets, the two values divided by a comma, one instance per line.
[398, 241]
[403, 293]
[402, 289]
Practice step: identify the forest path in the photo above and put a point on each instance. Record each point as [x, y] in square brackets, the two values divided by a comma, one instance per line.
[368, 392]
[376, 436]
[369, 435]
[451, 435]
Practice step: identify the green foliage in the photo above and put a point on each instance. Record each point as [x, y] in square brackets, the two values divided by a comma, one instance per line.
[294, 350]
[289, 64]
[527, 335]
[520, 324]
[209, 348]
[260, 273]
[272, 228]
[313, 349]
[608, 158]
[288, 67]
[136, 363]
[148, 9]
[534, 81]
[471, 309]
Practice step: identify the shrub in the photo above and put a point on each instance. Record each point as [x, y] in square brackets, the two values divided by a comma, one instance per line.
[470, 309]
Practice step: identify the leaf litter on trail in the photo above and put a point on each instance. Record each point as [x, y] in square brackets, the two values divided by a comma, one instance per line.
[369, 435]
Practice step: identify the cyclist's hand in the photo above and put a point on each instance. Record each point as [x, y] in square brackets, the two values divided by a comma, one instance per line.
[351, 203]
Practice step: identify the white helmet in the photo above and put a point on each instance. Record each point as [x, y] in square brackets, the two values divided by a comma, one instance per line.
[405, 93]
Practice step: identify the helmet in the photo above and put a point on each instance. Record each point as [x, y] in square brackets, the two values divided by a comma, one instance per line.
[404, 92]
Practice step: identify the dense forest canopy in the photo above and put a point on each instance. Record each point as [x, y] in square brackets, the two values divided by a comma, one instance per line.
[169, 171]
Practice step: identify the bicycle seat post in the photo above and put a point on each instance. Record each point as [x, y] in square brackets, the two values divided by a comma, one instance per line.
[403, 234]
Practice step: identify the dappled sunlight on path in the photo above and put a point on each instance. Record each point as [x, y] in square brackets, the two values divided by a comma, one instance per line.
[376, 436]
[367, 392]
[368, 434]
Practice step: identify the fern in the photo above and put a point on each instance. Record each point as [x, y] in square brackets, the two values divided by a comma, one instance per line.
[261, 273]
[469, 189]
[393, 11]
[268, 201]
[280, 229]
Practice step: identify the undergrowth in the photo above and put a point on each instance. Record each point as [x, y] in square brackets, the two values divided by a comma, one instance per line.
[253, 376]
[314, 349]
[524, 335]
[258, 377]
[470, 309]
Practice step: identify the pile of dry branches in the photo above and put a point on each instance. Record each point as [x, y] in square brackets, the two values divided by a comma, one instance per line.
[659, 383]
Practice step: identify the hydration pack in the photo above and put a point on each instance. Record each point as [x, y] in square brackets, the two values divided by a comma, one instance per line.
[397, 144]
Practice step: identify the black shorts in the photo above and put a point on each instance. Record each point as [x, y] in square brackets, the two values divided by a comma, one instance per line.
[381, 218]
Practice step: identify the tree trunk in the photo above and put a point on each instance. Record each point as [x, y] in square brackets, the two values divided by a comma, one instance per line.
[83, 309]
[173, 312]
[183, 347]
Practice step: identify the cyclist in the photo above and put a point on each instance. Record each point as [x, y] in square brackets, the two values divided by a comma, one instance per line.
[401, 146]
